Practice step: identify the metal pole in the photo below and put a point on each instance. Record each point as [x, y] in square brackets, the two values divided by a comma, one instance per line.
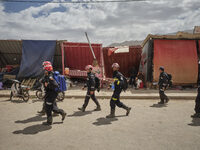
[90, 46]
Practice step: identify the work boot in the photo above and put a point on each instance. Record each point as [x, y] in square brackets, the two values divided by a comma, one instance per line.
[167, 100]
[55, 114]
[63, 116]
[112, 114]
[42, 112]
[98, 108]
[49, 121]
[81, 109]
[196, 115]
[128, 111]
[161, 102]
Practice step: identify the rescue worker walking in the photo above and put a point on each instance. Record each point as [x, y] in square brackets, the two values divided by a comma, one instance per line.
[45, 78]
[197, 101]
[133, 75]
[163, 83]
[115, 99]
[197, 104]
[50, 96]
[90, 90]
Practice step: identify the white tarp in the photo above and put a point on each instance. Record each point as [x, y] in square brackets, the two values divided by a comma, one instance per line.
[122, 49]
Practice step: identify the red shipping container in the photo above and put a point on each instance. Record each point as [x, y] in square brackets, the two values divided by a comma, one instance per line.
[78, 55]
[126, 60]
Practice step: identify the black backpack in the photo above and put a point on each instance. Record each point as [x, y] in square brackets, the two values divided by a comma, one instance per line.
[97, 84]
[169, 78]
[124, 84]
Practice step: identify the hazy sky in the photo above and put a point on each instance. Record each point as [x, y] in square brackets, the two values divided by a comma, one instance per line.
[105, 22]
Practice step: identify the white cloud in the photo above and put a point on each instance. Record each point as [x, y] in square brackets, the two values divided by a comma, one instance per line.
[105, 23]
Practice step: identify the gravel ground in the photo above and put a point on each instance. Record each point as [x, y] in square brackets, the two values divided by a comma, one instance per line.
[149, 127]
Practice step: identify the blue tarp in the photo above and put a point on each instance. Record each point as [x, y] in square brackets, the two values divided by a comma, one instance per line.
[34, 52]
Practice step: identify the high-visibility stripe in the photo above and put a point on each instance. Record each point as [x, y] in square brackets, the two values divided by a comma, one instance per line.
[118, 82]
[114, 99]
[49, 103]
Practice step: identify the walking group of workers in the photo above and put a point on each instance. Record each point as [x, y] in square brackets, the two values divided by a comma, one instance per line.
[118, 82]
[51, 93]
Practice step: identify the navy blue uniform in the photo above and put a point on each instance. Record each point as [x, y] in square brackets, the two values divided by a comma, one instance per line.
[90, 84]
[197, 101]
[50, 98]
[163, 83]
[115, 99]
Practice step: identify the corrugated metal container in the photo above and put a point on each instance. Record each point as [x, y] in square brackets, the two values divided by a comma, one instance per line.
[78, 55]
[178, 56]
[126, 60]
[10, 52]
[58, 56]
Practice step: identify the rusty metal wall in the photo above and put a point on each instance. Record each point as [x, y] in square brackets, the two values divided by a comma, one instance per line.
[78, 55]
[179, 57]
[125, 60]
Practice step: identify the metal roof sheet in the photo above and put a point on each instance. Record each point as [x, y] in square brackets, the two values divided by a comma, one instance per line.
[11, 53]
[179, 35]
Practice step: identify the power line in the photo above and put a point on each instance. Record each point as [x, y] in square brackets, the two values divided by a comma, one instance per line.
[72, 2]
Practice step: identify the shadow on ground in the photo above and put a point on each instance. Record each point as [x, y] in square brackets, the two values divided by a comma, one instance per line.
[32, 119]
[80, 113]
[17, 101]
[37, 100]
[195, 122]
[104, 121]
[58, 122]
[34, 129]
[8, 100]
[120, 116]
[158, 105]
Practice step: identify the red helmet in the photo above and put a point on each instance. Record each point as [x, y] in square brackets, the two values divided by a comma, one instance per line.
[89, 67]
[116, 65]
[45, 63]
[48, 68]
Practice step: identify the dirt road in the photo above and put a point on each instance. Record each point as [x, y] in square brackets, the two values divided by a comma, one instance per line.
[149, 127]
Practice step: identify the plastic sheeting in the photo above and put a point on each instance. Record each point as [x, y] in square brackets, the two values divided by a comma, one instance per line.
[33, 55]
[179, 57]
[146, 61]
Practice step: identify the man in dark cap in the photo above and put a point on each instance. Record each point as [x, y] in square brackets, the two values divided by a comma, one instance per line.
[163, 83]
[133, 75]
